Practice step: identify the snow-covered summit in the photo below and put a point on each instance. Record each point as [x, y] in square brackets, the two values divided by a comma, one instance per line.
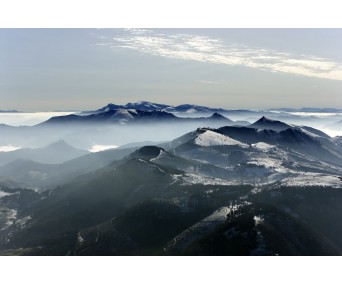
[146, 106]
[211, 138]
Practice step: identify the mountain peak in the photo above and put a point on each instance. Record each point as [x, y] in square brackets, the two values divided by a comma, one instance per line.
[145, 106]
[60, 144]
[267, 123]
[112, 105]
[265, 119]
[147, 152]
[218, 116]
[108, 107]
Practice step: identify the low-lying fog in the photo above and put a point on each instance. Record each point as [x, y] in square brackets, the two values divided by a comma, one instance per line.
[28, 118]
[93, 137]
[8, 148]
[99, 148]
[100, 137]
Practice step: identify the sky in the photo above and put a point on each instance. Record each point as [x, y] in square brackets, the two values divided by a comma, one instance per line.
[79, 69]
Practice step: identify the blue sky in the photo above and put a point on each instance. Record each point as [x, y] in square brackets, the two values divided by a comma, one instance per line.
[65, 69]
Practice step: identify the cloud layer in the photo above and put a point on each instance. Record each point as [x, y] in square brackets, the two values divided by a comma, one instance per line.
[211, 50]
[8, 148]
[99, 148]
[28, 118]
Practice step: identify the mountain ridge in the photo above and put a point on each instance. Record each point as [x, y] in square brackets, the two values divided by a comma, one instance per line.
[208, 192]
[54, 153]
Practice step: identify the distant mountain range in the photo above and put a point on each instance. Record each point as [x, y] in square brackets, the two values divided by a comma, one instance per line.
[55, 153]
[45, 174]
[191, 108]
[148, 112]
[148, 106]
[8, 111]
[124, 116]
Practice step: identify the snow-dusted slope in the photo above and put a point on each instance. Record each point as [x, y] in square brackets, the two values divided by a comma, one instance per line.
[187, 178]
[203, 227]
[211, 138]
[124, 114]
[312, 179]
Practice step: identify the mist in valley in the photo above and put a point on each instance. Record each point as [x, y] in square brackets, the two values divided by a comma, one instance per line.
[74, 176]
[24, 130]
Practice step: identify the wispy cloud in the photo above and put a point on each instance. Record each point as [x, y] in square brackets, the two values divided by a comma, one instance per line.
[211, 50]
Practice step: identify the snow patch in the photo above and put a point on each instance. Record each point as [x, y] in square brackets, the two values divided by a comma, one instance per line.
[21, 222]
[79, 238]
[204, 226]
[258, 219]
[309, 133]
[211, 138]
[196, 179]
[133, 111]
[3, 194]
[262, 146]
[143, 161]
[161, 154]
[151, 165]
[11, 216]
[124, 113]
[200, 228]
[265, 162]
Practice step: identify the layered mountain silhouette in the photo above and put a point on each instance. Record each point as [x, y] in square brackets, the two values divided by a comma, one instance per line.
[270, 188]
[55, 153]
[42, 175]
[148, 106]
[123, 116]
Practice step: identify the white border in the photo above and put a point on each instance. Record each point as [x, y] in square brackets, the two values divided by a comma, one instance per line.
[176, 13]
[173, 270]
